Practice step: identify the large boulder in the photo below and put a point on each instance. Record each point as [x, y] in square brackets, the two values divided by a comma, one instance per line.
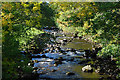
[87, 68]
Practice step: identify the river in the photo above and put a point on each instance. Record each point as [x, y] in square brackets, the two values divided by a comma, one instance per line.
[62, 58]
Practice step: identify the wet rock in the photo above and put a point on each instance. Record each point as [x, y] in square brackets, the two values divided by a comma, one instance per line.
[60, 58]
[53, 70]
[44, 56]
[64, 40]
[41, 72]
[51, 49]
[101, 78]
[58, 47]
[47, 50]
[55, 48]
[63, 35]
[70, 49]
[34, 71]
[38, 69]
[35, 68]
[97, 71]
[55, 64]
[70, 73]
[29, 64]
[35, 61]
[58, 62]
[80, 53]
[62, 51]
[87, 68]
[61, 41]
[58, 43]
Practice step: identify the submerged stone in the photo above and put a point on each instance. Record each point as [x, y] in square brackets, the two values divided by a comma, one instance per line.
[87, 68]
[70, 73]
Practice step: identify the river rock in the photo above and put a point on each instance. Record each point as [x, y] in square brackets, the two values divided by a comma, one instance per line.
[34, 71]
[70, 73]
[35, 61]
[64, 40]
[35, 68]
[61, 41]
[47, 50]
[87, 68]
[69, 49]
[44, 56]
[60, 58]
[101, 78]
[55, 64]
[62, 51]
[53, 70]
[63, 35]
[58, 62]
[41, 72]
[97, 70]
[29, 64]
[56, 49]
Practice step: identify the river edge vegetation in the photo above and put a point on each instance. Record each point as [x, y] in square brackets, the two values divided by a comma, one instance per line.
[22, 25]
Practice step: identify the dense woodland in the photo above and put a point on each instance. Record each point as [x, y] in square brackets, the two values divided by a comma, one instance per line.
[23, 21]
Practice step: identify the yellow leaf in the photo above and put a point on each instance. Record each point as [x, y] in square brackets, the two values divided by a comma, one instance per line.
[89, 13]
[82, 14]
[35, 8]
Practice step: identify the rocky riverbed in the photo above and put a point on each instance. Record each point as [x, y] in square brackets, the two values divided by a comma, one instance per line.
[66, 57]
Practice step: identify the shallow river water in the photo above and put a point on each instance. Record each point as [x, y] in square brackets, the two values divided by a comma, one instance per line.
[62, 61]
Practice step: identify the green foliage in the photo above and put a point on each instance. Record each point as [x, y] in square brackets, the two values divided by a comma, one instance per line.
[27, 69]
[105, 25]
[47, 15]
[22, 23]
[110, 49]
[72, 14]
